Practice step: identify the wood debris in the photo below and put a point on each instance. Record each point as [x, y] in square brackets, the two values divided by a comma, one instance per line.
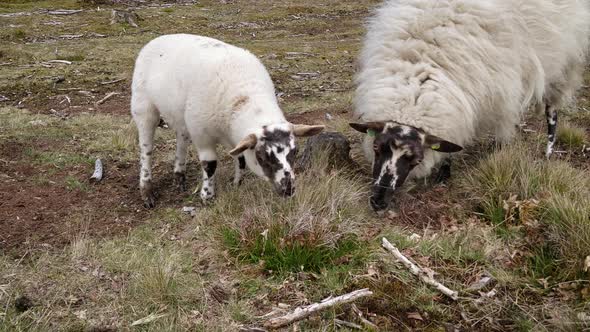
[419, 272]
[64, 11]
[305, 311]
[97, 175]
[107, 97]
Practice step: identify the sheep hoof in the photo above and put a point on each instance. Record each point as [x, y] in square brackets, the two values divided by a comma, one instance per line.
[207, 195]
[236, 183]
[149, 202]
[148, 197]
[180, 179]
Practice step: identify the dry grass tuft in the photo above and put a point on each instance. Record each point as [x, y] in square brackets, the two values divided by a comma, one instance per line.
[571, 136]
[514, 190]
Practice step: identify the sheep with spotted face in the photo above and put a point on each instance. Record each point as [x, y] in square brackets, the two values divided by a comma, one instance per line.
[212, 93]
[434, 74]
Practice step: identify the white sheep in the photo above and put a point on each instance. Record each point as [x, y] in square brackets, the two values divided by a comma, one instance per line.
[456, 69]
[212, 93]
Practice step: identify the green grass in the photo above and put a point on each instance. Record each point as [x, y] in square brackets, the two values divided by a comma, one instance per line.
[291, 257]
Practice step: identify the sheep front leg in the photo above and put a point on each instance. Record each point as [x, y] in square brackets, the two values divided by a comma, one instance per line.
[551, 114]
[240, 163]
[209, 165]
[182, 141]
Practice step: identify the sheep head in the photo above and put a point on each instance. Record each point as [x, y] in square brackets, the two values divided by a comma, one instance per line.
[397, 149]
[273, 151]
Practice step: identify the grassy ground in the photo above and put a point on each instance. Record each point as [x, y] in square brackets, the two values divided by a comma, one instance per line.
[79, 256]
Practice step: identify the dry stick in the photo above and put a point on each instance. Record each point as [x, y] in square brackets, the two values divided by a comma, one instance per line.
[348, 324]
[97, 175]
[363, 320]
[107, 97]
[111, 82]
[305, 311]
[419, 272]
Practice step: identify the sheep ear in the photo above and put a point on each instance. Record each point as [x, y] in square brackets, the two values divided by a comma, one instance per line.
[438, 144]
[305, 130]
[368, 126]
[246, 143]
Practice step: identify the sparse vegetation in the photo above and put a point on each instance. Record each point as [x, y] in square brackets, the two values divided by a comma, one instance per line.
[89, 257]
[571, 136]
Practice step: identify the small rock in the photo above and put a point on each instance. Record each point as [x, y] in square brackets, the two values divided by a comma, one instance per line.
[38, 123]
[190, 210]
[480, 284]
[414, 237]
[335, 145]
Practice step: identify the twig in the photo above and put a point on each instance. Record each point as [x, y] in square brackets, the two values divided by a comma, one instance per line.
[111, 82]
[64, 11]
[97, 175]
[348, 324]
[419, 272]
[363, 319]
[107, 97]
[305, 311]
[65, 62]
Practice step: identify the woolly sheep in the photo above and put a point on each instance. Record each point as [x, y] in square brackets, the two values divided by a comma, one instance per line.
[434, 72]
[212, 93]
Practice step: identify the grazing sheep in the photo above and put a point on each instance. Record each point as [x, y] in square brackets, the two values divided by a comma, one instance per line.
[212, 93]
[434, 72]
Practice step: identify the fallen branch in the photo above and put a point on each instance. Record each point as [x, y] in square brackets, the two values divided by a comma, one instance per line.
[97, 175]
[64, 11]
[107, 97]
[65, 62]
[419, 272]
[71, 36]
[305, 311]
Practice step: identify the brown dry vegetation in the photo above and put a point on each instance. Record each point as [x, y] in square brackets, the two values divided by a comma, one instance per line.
[90, 258]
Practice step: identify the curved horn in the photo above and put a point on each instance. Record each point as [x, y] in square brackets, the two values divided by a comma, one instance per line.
[246, 143]
[305, 130]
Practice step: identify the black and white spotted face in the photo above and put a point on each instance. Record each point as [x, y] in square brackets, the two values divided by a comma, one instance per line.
[275, 153]
[397, 150]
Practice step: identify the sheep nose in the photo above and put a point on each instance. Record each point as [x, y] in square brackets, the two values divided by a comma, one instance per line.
[378, 205]
[286, 187]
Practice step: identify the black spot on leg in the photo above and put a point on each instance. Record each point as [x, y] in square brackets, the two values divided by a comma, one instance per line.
[242, 162]
[149, 153]
[551, 115]
[209, 167]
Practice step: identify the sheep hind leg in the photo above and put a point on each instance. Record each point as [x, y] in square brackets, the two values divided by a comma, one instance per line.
[182, 141]
[146, 118]
[551, 115]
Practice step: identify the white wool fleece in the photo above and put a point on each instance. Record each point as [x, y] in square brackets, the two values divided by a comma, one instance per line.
[461, 68]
